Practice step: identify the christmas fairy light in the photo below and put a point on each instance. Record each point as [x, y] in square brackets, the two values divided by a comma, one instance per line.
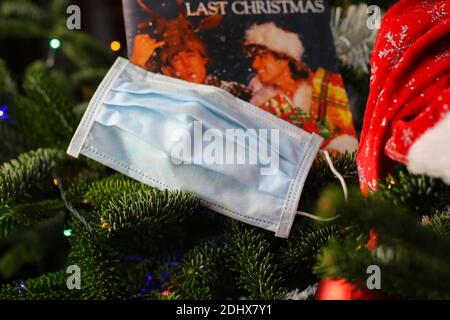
[67, 232]
[115, 46]
[55, 43]
[3, 112]
[20, 288]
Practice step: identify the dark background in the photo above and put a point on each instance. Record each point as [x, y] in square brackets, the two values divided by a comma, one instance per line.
[103, 19]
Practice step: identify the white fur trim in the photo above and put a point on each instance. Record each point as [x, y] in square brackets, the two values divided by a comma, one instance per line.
[275, 39]
[430, 153]
[343, 143]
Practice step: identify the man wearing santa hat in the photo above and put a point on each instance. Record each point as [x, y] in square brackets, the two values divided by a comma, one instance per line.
[285, 86]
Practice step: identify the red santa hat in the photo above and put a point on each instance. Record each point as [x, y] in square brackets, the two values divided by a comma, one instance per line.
[407, 115]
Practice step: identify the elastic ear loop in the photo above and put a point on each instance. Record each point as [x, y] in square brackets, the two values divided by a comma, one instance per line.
[326, 154]
[336, 173]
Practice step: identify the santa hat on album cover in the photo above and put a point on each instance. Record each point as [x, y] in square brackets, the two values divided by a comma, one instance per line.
[270, 36]
[407, 116]
[267, 36]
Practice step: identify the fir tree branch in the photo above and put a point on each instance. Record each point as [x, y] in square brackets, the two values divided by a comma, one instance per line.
[365, 213]
[55, 112]
[51, 286]
[7, 84]
[90, 76]
[101, 192]
[345, 164]
[19, 176]
[22, 9]
[104, 274]
[304, 245]
[199, 272]
[440, 223]
[407, 273]
[419, 193]
[404, 244]
[22, 216]
[81, 185]
[125, 204]
[250, 259]
[83, 51]
[20, 28]
[150, 207]
[58, 7]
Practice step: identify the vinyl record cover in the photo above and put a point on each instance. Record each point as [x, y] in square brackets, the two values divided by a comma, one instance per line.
[276, 54]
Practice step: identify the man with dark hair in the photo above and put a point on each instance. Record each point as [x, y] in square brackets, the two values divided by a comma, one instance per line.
[181, 53]
[286, 87]
[276, 55]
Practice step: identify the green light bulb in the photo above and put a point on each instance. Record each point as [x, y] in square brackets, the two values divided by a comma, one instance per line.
[55, 43]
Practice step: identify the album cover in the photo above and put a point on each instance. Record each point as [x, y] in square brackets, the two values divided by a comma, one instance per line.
[278, 55]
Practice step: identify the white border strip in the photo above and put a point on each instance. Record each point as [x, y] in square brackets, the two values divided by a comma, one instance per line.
[86, 123]
[296, 187]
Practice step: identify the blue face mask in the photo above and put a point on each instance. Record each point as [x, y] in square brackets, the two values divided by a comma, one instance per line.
[238, 159]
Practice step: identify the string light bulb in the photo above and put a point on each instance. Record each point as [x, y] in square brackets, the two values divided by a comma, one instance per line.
[55, 43]
[115, 46]
[3, 112]
[392, 183]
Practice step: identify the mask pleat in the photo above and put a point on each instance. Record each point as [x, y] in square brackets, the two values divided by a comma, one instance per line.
[159, 122]
[210, 116]
[241, 175]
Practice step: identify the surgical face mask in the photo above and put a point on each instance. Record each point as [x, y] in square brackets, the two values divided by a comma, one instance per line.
[168, 133]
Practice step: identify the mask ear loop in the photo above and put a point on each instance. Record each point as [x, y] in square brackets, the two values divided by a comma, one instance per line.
[311, 216]
[326, 154]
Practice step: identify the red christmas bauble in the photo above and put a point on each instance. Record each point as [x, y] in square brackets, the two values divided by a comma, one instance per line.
[342, 290]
